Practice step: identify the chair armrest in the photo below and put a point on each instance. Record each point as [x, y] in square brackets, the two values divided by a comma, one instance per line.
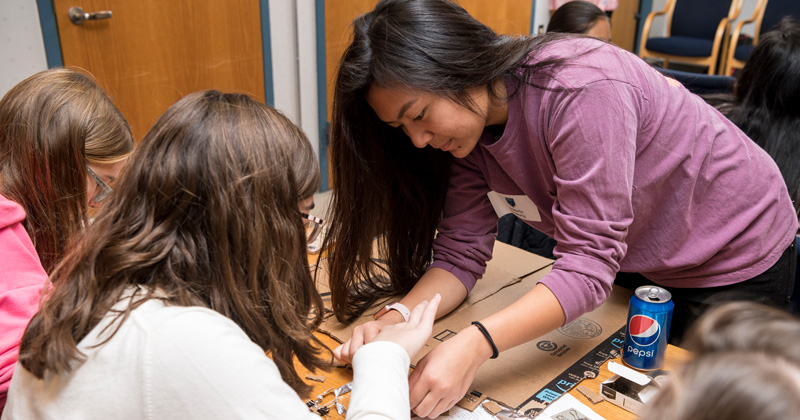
[723, 25]
[649, 22]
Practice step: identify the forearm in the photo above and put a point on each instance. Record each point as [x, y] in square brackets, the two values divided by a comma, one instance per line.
[435, 280]
[534, 314]
[445, 374]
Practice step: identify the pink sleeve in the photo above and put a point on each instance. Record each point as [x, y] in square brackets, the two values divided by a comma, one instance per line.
[21, 281]
[17, 307]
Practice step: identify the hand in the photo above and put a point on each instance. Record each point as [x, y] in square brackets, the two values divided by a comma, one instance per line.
[363, 334]
[412, 335]
[445, 374]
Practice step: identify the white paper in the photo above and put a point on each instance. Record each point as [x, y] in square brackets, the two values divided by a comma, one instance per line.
[458, 413]
[565, 407]
[568, 407]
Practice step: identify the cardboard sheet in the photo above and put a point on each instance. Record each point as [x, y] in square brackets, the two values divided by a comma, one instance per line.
[529, 376]
[508, 266]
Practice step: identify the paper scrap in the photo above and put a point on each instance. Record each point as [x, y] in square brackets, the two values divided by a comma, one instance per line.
[492, 407]
[458, 413]
[575, 409]
[591, 395]
[316, 378]
[471, 401]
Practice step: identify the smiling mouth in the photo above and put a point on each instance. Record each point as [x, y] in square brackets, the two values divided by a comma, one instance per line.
[445, 146]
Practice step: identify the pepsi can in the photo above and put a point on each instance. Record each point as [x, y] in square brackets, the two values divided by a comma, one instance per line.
[649, 319]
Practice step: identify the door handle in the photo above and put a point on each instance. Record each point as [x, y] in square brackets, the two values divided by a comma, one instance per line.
[77, 15]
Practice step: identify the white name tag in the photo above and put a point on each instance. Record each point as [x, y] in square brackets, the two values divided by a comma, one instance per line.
[519, 205]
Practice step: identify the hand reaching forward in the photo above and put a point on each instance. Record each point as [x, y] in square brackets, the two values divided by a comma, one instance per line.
[412, 335]
[362, 334]
[368, 331]
[445, 374]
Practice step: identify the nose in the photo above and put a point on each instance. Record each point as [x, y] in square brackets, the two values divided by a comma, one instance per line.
[93, 204]
[419, 137]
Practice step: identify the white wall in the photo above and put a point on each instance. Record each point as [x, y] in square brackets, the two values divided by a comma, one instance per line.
[541, 16]
[21, 45]
[294, 63]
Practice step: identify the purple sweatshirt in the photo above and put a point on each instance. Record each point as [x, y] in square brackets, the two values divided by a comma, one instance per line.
[22, 279]
[629, 172]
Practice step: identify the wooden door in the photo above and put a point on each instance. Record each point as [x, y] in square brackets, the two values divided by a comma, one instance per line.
[151, 53]
[624, 24]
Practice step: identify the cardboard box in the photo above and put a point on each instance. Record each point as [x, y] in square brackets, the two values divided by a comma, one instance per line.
[630, 389]
[529, 376]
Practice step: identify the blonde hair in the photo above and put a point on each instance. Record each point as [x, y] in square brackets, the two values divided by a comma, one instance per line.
[747, 385]
[747, 366]
[51, 125]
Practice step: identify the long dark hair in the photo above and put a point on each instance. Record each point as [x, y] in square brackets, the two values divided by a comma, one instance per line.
[51, 125]
[767, 99]
[383, 186]
[575, 17]
[206, 215]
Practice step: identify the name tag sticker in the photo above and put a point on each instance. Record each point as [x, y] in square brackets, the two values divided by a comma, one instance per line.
[518, 205]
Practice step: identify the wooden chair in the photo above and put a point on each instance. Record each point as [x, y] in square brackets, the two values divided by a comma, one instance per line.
[695, 31]
[766, 15]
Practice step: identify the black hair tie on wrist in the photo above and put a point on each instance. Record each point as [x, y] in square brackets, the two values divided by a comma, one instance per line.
[485, 333]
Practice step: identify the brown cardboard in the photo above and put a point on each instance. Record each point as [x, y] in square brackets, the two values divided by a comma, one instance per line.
[492, 407]
[507, 267]
[531, 375]
[591, 395]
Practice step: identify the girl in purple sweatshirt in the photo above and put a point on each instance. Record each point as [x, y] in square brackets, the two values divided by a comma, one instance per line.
[440, 125]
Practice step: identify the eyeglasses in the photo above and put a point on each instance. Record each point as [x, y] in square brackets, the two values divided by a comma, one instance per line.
[105, 190]
[313, 226]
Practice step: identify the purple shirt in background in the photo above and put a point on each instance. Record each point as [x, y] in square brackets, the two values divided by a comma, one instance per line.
[629, 172]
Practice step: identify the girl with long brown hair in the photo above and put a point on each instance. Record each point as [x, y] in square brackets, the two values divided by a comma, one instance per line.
[167, 305]
[62, 142]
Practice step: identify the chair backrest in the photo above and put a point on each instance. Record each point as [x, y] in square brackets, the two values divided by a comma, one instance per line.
[699, 18]
[776, 10]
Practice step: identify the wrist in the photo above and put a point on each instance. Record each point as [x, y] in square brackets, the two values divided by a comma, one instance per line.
[483, 341]
[394, 313]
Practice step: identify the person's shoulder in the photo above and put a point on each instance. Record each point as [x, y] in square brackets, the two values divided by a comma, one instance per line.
[585, 61]
[157, 316]
[193, 332]
[10, 212]
[575, 48]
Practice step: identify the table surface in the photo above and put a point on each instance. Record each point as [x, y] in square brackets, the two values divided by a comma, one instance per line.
[340, 376]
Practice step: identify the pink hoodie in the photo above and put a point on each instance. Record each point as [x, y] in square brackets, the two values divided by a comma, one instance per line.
[21, 281]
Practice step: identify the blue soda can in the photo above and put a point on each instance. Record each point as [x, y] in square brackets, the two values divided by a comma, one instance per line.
[649, 319]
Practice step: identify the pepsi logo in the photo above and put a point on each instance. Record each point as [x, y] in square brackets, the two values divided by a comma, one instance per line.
[643, 330]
